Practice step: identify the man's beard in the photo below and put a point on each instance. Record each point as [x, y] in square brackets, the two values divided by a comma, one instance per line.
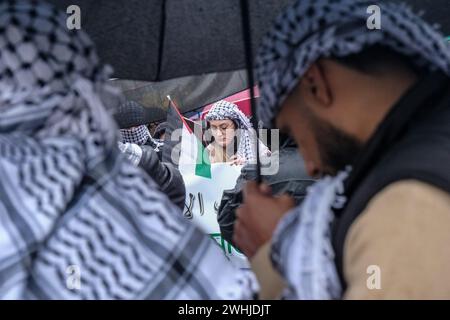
[337, 149]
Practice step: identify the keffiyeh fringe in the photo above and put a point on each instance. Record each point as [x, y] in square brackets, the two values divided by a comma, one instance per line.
[301, 249]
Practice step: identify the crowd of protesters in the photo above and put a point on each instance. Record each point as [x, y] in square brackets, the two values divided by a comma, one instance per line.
[363, 184]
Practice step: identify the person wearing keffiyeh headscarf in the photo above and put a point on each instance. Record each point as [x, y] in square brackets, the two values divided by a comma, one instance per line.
[133, 119]
[70, 204]
[138, 135]
[228, 123]
[370, 112]
[138, 146]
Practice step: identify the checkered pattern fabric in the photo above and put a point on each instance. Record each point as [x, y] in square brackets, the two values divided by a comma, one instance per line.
[309, 30]
[68, 200]
[224, 110]
[138, 135]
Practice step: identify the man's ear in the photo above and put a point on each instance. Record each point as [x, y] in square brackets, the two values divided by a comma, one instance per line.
[315, 86]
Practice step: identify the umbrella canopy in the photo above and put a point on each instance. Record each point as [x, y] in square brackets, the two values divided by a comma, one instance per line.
[155, 40]
[190, 93]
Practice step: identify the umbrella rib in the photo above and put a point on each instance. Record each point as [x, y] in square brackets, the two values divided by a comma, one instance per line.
[161, 39]
[245, 15]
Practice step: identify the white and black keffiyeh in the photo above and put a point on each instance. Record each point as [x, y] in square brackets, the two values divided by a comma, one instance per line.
[301, 247]
[68, 200]
[311, 29]
[305, 32]
[132, 152]
[138, 135]
[224, 110]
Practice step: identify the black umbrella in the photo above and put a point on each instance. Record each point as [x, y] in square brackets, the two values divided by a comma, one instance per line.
[163, 39]
[155, 40]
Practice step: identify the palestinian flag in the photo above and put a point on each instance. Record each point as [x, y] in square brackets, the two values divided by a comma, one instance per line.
[185, 148]
[184, 143]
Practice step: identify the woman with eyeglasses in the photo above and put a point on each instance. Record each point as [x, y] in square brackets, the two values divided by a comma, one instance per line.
[233, 135]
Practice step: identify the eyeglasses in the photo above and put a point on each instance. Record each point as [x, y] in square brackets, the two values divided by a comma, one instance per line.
[223, 128]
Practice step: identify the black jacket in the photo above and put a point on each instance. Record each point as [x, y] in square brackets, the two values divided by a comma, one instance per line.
[291, 179]
[165, 175]
[412, 142]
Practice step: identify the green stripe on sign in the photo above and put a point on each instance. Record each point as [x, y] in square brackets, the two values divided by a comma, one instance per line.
[224, 244]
